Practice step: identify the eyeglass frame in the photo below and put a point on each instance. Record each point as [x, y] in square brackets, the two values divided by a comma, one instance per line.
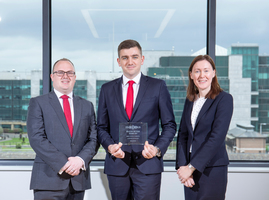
[72, 75]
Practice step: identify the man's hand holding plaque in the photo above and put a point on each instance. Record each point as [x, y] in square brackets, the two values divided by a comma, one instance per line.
[149, 151]
[115, 150]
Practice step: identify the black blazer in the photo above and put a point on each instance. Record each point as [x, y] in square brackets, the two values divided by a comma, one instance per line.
[50, 138]
[208, 137]
[153, 103]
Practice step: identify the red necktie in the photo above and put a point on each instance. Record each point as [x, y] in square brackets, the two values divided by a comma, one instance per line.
[67, 113]
[129, 99]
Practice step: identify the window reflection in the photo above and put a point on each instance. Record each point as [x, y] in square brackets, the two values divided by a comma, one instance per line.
[171, 34]
[21, 49]
[248, 69]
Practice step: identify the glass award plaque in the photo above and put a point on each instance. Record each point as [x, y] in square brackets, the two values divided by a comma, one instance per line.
[133, 133]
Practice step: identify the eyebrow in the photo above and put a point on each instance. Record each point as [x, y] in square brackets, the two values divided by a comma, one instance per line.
[202, 68]
[124, 56]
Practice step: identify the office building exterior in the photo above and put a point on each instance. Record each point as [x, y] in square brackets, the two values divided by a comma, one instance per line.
[241, 72]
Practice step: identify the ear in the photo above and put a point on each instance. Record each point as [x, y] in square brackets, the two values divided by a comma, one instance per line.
[118, 60]
[214, 73]
[51, 76]
[191, 75]
[142, 60]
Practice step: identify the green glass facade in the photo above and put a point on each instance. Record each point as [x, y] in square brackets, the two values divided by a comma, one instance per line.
[99, 84]
[80, 88]
[14, 99]
[250, 54]
[263, 110]
[250, 63]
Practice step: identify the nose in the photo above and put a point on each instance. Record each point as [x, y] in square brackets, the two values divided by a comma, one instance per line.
[65, 75]
[130, 61]
[202, 74]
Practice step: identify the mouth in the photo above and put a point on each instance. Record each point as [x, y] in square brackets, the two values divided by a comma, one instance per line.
[202, 81]
[65, 81]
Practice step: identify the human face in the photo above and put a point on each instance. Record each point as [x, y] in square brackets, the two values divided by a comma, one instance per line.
[130, 61]
[202, 74]
[64, 84]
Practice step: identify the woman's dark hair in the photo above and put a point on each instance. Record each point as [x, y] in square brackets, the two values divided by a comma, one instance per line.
[215, 87]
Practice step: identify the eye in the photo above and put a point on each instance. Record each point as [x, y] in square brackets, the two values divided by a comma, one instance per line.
[70, 73]
[60, 72]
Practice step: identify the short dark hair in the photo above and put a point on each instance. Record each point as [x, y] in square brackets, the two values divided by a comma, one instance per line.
[215, 87]
[62, 59]
[127, 44]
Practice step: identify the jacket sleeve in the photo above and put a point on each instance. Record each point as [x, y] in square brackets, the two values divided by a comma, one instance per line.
[168, 123]
[103, 122]
[38, 138]
[182, 139]
[92, 145]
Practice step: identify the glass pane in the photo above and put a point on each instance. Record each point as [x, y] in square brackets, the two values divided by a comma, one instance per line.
[20, 77]
[245, 39]
[170, 32]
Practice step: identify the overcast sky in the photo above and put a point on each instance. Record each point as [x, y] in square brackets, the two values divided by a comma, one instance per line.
[88, 32]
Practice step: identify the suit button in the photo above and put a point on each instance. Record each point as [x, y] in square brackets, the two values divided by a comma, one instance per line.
[136, 157]
[72, 144]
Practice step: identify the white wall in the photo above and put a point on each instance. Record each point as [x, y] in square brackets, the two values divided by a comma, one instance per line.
[248, 183]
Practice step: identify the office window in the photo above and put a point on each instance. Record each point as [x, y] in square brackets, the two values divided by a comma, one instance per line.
[21, 51]
[170, 33]
[245, 39]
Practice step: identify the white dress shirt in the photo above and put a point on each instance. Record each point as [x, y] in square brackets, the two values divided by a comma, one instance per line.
[70, 99]
[125, 86]
[197, 106]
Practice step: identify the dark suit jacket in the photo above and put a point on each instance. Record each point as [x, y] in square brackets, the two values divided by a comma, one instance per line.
[208, 137]
[153, 103]
[50, 138]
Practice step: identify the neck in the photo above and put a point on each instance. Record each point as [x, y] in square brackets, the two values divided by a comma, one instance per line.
[203, 93]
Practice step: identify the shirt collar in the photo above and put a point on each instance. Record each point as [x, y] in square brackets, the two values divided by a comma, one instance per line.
[59, 94]
[135, 79]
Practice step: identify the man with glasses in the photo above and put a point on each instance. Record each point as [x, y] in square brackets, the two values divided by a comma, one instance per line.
[62, 131]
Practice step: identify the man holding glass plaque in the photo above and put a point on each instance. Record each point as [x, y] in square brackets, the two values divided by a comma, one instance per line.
[129, 112]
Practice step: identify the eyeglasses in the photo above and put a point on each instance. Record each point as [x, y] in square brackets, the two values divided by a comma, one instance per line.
[61, 73]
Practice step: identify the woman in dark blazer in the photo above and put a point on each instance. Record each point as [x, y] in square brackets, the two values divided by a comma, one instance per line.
[201, 159]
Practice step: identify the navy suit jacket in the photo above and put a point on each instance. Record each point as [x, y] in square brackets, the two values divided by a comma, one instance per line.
[50, 138]
[208, 137]
[153, 103]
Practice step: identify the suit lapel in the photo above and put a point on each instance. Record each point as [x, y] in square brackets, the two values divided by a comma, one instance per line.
[205, 107]
[141, 92]
[118, 95]
[188, 115]
[77, 113]
[54, 101]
